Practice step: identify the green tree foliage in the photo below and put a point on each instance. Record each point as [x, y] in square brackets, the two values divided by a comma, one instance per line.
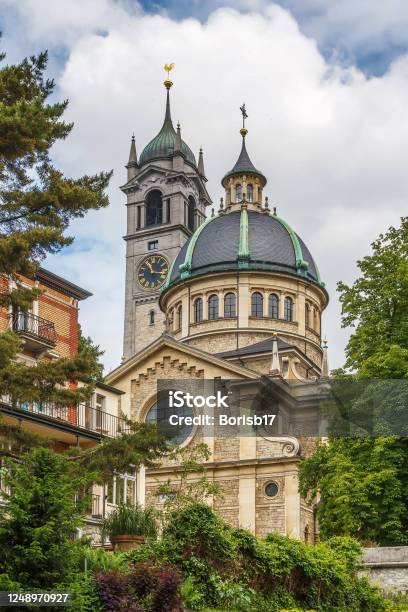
[43, 508]
[38, 520]
[140, 443]
[37, 204]
[363, 482]
[87, 347]
[376, 305]
[37, 200]
[230, 569]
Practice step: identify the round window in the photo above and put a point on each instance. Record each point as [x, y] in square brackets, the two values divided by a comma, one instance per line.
[271, 489]
[160, 414]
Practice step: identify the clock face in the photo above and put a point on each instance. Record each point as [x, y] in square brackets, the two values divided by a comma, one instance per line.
[153, 271]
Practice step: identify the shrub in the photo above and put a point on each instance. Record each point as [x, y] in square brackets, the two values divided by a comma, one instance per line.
[114, 592]
[143, 579]
[166, 595]
[131, 520]
[99, 559]
[147, 587]
[235, 570]
[192, 594]
[84, 594]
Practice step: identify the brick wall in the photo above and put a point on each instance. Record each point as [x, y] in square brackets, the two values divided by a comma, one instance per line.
[60, 309]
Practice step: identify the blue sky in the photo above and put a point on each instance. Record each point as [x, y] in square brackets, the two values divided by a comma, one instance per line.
[326, 88]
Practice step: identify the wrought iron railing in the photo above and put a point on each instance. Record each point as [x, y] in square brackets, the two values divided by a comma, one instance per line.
[33, 325]
[82, 416]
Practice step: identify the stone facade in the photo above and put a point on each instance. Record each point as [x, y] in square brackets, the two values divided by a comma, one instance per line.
[258, 475]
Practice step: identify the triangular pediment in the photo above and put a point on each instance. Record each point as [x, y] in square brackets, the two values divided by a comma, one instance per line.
[166, 346]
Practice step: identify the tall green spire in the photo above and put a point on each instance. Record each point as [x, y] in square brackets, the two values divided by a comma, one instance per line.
[165, 143]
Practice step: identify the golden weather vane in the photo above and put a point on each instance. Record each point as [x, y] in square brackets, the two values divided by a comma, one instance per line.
[244, 114]
[168, 68]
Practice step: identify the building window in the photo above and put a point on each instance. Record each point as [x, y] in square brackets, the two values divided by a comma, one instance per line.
[230, 305]
[99, 422]
[190, 213]
[250, 193]
[271, 489]
[153, 245]
[288, 309]
[168, 210]
[151, 317]
[179, 317]
[154, 208]
[138, 217]
[307, 315]
[160, 414]
[273, 306]
[198, 310]
[238, 192]
[121, 489]
[257, 304]
[213, 307]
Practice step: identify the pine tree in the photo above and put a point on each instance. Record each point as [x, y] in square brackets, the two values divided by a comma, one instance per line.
[37, 204]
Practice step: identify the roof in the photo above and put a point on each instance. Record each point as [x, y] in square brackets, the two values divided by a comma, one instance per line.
[164, 143]
[264, 346]
[243, 165]
[165, 340]
[49, 279]
[106, 387]
[244, 240]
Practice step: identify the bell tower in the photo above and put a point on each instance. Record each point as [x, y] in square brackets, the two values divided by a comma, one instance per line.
[166, 200]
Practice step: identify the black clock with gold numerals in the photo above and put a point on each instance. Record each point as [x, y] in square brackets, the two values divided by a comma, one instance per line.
[153, 271]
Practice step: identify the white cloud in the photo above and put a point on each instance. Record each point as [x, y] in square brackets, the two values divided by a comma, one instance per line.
[354, 23]
[332, 143]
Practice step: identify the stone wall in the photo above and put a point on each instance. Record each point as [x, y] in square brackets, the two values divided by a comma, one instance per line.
[387, 566]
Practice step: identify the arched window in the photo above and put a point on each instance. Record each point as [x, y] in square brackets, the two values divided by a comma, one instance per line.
[257, 304]
[213, 307]
[154, 208]
[198, 310]
[190, 213]
[250, 193]
[273, 306]
[288, 309]
[151, 317]
[160, 414]
[238, 192]
[307, 315]
[179, 317]
[230, 305]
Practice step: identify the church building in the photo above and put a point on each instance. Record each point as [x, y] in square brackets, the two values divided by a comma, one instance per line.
[234, 295]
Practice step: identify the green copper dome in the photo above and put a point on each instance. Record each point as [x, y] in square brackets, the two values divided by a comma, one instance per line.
[244, 240]
[164, 144]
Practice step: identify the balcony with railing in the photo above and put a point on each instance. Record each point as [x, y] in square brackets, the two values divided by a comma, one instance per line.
[38, 333]
[82, 416]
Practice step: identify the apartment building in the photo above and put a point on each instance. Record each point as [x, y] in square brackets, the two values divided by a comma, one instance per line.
[48, 331]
